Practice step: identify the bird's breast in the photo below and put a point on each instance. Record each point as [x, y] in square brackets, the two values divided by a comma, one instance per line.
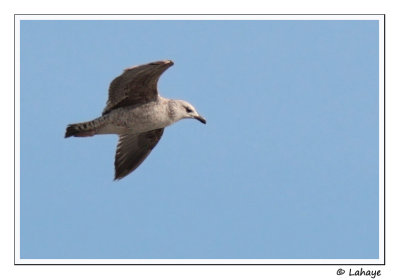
[142, 118]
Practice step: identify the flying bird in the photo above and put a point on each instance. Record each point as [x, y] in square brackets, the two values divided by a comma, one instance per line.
[137, 113]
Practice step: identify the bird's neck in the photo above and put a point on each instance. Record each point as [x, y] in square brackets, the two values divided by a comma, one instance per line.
[173, 110]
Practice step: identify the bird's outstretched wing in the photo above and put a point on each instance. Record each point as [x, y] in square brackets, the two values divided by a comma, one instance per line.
[136, 85]
[132, 150]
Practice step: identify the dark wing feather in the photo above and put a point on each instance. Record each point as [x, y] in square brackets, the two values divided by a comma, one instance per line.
[136, 85]
[133, 149]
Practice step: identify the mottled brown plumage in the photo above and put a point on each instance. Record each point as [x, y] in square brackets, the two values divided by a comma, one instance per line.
[137, 85]
[136, 113]
[133, 149]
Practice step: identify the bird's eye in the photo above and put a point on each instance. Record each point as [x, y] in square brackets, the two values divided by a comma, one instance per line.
[188, 110]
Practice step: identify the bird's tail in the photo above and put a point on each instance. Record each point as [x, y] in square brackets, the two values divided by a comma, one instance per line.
[83, 129]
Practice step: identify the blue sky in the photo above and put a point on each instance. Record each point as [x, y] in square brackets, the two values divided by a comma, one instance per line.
[286, 167]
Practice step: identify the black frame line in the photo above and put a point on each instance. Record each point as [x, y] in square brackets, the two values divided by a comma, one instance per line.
[234, 264]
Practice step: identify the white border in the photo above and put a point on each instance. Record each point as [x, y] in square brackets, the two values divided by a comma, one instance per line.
[381, 139]
[199, 17]
[380, 260]
[17, 141]
[200, 261]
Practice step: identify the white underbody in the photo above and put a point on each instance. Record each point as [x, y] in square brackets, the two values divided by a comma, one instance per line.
[136, 119]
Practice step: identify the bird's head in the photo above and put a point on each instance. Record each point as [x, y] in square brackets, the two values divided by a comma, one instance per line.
[187, 111]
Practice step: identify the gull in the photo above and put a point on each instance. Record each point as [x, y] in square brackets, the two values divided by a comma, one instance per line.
[137, 114]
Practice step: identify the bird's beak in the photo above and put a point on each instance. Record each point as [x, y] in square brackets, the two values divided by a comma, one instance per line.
[200, 118]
